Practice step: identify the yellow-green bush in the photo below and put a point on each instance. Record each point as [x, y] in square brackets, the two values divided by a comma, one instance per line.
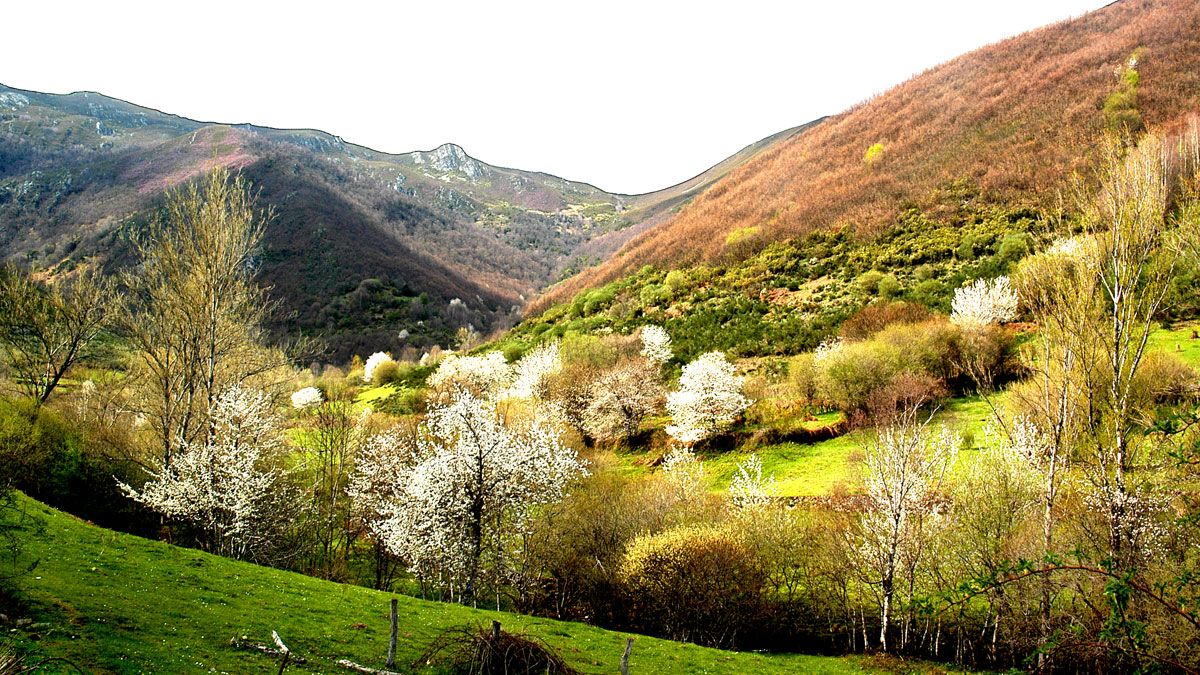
[700, 583]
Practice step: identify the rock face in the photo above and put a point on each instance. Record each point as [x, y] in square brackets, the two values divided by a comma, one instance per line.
[449, 157]
[13, 100]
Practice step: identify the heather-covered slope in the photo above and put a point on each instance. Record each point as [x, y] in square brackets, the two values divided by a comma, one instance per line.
[1014, 118]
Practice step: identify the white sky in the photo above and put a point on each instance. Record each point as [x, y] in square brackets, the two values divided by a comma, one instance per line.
[629, 96]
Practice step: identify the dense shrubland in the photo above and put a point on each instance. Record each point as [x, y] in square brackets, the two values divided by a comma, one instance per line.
[794, 294]
[564, 470]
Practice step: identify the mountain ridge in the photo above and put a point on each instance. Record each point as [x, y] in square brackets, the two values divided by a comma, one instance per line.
[80, 173]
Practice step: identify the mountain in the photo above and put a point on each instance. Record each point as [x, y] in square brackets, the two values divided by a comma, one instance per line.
[365, 246]
[1013, 120]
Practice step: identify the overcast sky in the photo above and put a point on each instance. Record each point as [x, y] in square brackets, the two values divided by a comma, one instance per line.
[629, 96]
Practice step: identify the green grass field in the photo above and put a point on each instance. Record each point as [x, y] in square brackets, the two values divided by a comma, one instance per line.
[1178, 342]
[112, 602]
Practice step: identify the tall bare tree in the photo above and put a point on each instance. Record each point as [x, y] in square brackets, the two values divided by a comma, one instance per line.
[196, 313]
[905, 470]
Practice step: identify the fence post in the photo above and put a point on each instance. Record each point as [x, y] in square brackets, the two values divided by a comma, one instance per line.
[391, 660]
[625, 656]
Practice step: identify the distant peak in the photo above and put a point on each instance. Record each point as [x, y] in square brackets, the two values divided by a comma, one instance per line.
[451, 157]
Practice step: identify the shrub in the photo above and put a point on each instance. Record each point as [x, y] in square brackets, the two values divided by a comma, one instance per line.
[932, 294]
[387, 373]
[848, 373]
[1163, 378]
[868, 281]
[373, 363]
[653, 294]
[699, 583]
[888, 286]
[675, 282]
[490, 651]
[1014, 247]
[873, 154]
[802, 376]
[879, 315]
[931, 346]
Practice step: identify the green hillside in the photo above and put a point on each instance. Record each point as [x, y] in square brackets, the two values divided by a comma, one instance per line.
[112, 602]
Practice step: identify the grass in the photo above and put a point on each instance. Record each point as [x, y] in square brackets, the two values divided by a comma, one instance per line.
[122, 604]
[375, 394]
[1178, 341]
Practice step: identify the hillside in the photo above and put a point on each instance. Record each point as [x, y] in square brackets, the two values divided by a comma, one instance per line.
[112, 602]
[1014, 119]
[364, 244]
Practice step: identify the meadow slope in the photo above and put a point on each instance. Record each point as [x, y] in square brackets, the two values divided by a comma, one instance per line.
[116, 603]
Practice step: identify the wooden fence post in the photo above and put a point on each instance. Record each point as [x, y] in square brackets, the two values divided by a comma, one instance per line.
[283, 650]
[496, 630]
[391, 660]
[625, 656]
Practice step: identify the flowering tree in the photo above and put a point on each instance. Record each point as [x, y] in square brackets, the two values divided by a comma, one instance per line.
[307, 397]
[709, 399]
[984, 302]
[905, 468]
[373, 362]
[224, 486]
[484, 375]
[750, 489]
[456, 492]
[656, 344]
[531, 372]
[684, 472]
[619, 400]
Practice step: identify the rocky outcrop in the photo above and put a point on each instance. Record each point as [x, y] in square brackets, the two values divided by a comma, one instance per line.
[451, 158]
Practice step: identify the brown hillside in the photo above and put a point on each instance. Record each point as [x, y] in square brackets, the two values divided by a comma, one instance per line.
[1016, 117]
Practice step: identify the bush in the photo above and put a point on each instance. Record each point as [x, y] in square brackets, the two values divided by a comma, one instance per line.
[1014, 247]
[698, 583]
[932, 347]
[879, 315]
[848, 374]
[873, 154]
[675, 282]
[43, 455]
[889, 286]
[802, 376]
[1163, 378]
[868, 281]
[387, 373]
[490, 651]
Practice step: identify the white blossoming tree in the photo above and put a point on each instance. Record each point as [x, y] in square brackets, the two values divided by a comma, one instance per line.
[308, 397]
[750, 489]
[983, 302]
[709, 399]
[684, 472]
[620, 399]
[532, 371]
[656, 344]
[373, 362]
[485, 375]
[225, 487]
[450, 500]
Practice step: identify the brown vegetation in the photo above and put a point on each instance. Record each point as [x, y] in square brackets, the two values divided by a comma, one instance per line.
[1017, 117]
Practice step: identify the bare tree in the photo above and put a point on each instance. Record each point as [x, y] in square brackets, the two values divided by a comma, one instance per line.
[46, 328]
[905, 468]
[196, 314]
